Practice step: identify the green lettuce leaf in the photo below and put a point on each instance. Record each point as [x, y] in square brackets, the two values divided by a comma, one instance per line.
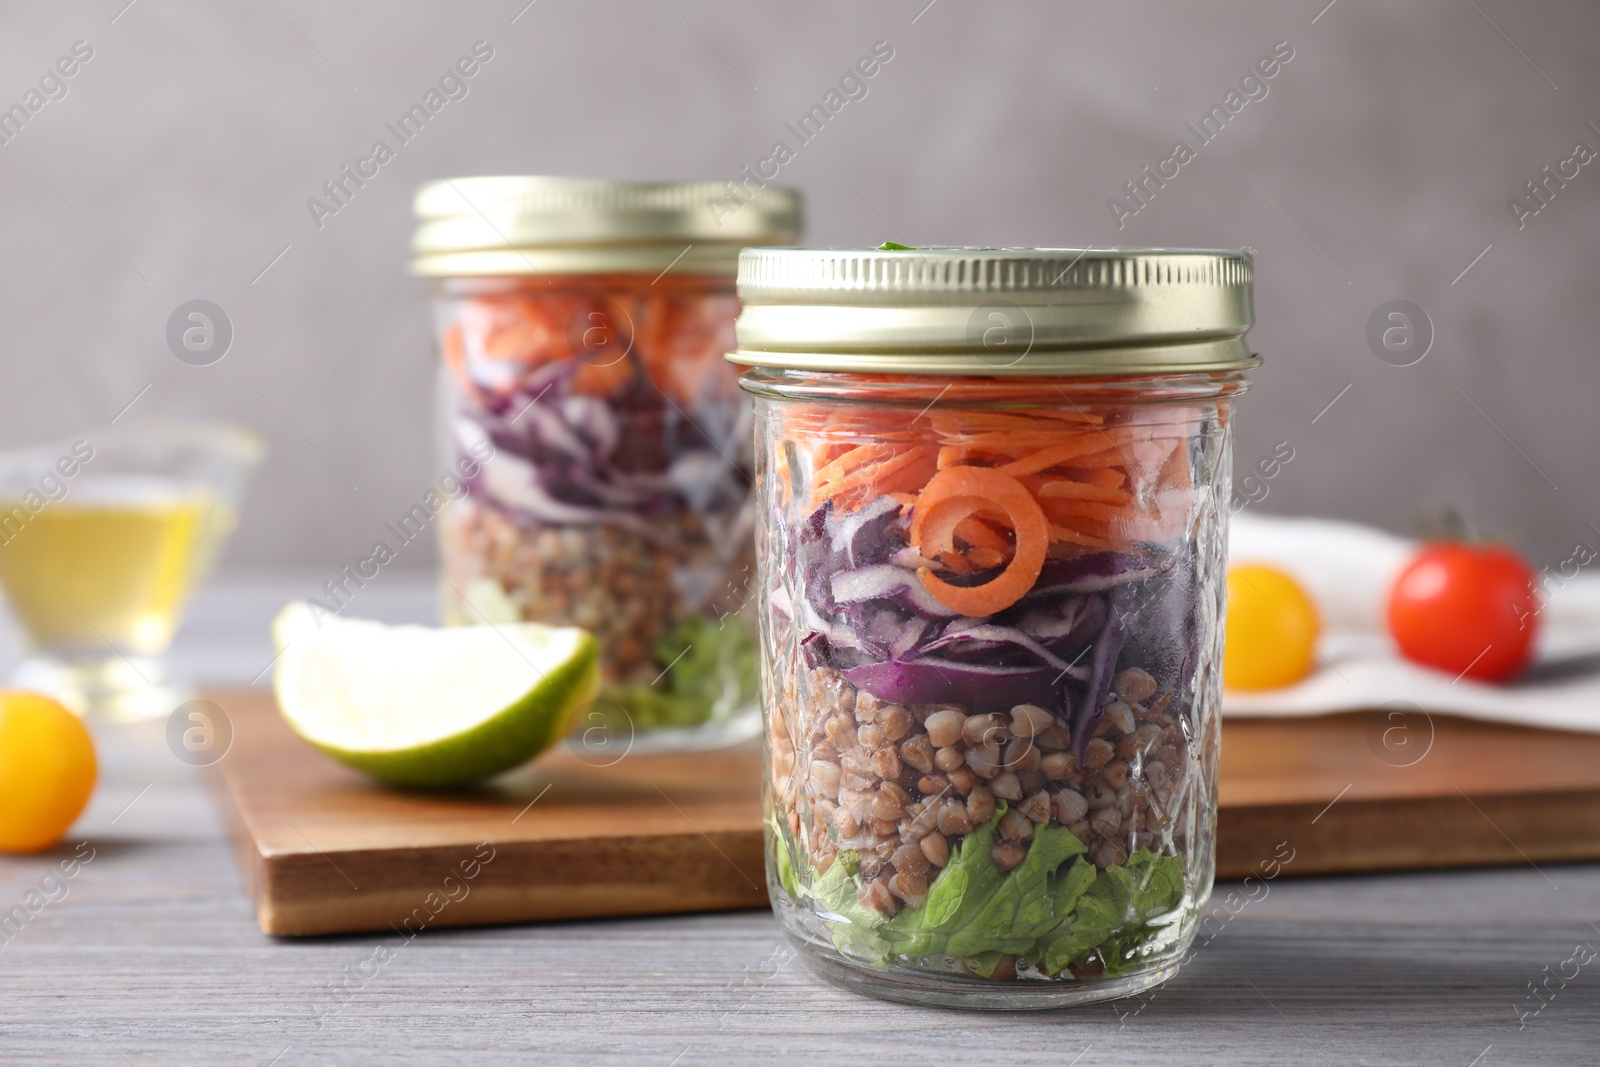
[711, 671]
[855, 929]
[985, 964]
[1069, 887]
[1120, 901]
[968, 880]
[1053, 908]
[782, 858]
[1162, 885]
[1160, 889]
[1022, 908]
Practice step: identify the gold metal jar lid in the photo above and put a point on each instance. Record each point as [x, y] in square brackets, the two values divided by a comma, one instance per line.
[995, 311]
[546, 225]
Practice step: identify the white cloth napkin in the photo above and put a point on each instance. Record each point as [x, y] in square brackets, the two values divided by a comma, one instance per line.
[1348, 570]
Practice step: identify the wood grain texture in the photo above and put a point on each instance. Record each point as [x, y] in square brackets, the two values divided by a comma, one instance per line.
[324, 850]
[1368, 791]
[154, 957]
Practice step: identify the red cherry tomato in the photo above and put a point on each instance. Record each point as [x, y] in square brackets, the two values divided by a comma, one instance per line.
[1468, 609]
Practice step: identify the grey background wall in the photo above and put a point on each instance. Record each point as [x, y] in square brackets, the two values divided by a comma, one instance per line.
[1378, 166]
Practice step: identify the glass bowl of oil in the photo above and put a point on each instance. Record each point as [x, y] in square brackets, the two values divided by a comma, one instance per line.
[103, 537]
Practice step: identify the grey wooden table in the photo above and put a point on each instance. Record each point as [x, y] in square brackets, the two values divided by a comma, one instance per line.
[152, 956]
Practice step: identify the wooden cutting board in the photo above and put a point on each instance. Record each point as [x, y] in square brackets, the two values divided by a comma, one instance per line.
[324, 850]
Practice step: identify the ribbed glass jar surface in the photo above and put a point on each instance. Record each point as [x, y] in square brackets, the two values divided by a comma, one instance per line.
[991, 634]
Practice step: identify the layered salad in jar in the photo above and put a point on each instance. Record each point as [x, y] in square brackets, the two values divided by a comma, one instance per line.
[617, 492]
[992, 637]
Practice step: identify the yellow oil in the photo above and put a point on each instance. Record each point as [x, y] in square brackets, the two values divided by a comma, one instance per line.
[115, 565]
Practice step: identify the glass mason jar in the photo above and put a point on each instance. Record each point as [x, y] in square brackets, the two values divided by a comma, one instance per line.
[991, 557]
[599, 438]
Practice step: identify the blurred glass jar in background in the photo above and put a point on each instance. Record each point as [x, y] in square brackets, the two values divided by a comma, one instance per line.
[603, 440]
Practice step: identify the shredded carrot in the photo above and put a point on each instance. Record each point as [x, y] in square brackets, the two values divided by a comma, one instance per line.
[1115, 456]
[910, 470]
[603, 378]
[1153, 525]
[910, 477]
[517, 330]
[455, 356]
[937, 514]
[1070, 490]
[827, 452]
[1092, 525]
[1145, 463]
[1105, 477]
[1175, 472]
[1061, 533]
[872, 472]
[780, 468]
[856, 457]
[1092, 509]
[955, 562]
[1101, 478]
[979, 534]
[1053, 456]
[985, 557]
[1008, 442]
[969, 420]
[956, 493]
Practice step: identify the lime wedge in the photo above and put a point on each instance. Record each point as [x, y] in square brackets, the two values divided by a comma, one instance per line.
[419, 706]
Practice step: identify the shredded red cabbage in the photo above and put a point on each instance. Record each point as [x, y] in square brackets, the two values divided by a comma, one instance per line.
[567, 457]
[869, 616]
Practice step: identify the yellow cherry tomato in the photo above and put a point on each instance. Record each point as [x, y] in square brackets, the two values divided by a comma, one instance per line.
[47, 771]
[1272, 629]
